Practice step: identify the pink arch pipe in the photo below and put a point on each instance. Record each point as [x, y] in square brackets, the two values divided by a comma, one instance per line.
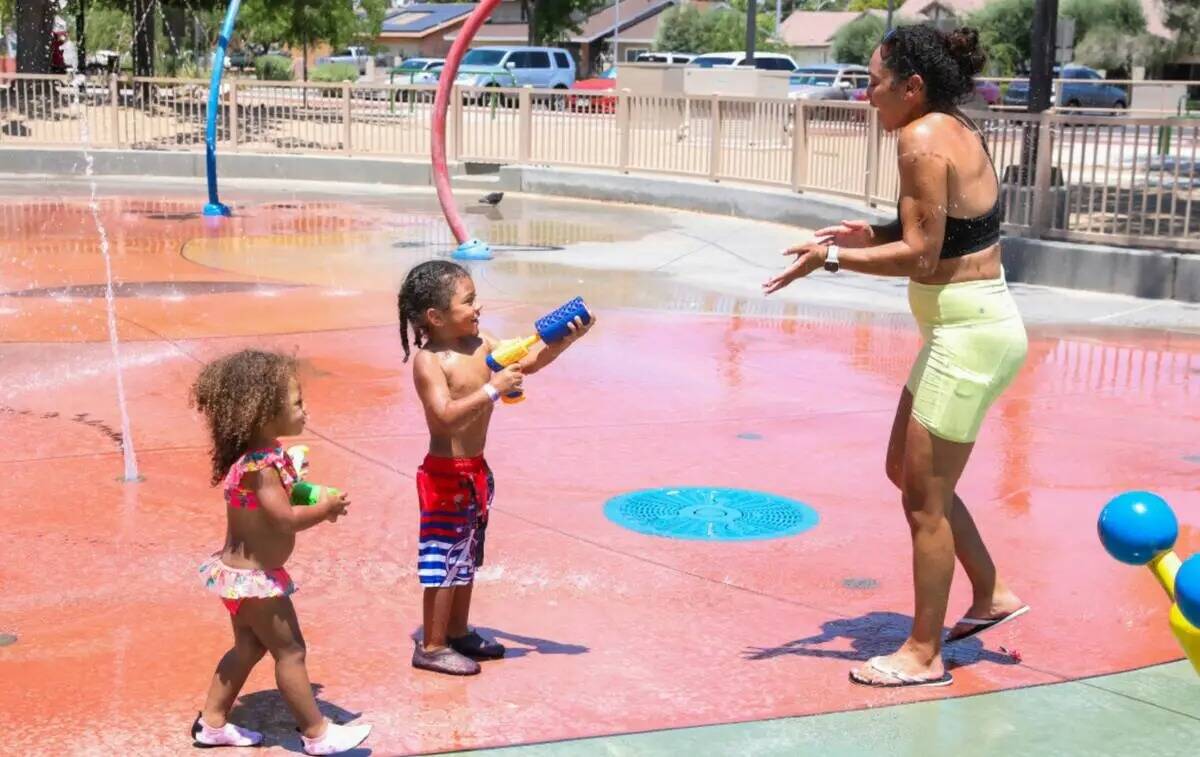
[468, 248]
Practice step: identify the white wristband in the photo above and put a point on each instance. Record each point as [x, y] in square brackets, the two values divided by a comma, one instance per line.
[491, 392]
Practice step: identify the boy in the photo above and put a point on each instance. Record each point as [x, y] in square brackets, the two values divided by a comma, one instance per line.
[454, 484]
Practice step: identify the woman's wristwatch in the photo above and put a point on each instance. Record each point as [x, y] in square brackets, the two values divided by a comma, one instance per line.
[831, 259]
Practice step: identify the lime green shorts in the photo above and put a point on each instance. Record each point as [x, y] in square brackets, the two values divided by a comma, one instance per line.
[975, 344]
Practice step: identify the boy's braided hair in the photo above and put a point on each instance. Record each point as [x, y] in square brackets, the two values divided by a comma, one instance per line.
[428, 285]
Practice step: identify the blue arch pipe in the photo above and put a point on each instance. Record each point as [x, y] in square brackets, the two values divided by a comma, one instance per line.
[214, 206]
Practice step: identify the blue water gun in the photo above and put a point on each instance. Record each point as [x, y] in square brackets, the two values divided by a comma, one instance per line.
[550, 328]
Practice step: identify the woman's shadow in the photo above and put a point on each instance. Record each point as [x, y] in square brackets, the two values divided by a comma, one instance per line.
[267, 712]
[528, 644]
[876, 633]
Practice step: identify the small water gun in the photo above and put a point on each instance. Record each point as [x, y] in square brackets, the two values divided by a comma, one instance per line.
[550, 329]
[304, 493]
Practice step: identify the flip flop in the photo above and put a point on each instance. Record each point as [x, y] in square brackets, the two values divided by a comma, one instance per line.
[979, 625]
[900, 680]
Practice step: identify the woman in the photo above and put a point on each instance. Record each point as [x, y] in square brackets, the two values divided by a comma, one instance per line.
[946, 241]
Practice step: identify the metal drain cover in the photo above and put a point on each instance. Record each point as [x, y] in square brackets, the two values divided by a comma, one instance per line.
[710, 514]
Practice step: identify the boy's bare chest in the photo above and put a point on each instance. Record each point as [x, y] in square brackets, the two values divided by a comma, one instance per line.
[466, 373]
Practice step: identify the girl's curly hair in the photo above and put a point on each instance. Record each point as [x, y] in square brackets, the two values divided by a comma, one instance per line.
[946, 61]
[428, 285]
[239, 394]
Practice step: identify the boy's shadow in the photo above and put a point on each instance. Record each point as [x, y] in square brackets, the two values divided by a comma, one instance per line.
[528, 643]
[876, 633]
[267, 712]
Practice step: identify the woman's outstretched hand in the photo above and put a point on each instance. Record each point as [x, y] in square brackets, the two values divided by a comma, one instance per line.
[809, 257]
[847, 234]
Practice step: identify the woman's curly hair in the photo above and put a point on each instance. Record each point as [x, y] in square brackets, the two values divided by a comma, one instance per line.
[239, 394]
[428, 285]
[946, 61]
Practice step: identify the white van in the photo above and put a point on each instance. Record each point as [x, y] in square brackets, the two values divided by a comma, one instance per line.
[669, 58]
[762, 61]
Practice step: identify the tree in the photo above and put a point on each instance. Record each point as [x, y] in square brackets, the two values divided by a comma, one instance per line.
[1124, 16]
[1183, 18]
[857, 40]
[301, 23]
[550, 20]
[35, 24]
[1106, 48]
[1004, 32]
[1109, 34]
[686, 29]
[867, 5]
[681, 30]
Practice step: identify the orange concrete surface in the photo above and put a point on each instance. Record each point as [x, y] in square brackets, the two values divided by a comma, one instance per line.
[609, 631]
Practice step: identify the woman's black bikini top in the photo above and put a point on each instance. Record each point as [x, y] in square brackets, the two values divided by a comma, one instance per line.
[967, 235]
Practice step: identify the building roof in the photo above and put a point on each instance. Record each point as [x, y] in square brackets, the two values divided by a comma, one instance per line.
[816, 28]
[498, 34]
[602, 23]
[423, 19]
[956, 7]
[643, 32]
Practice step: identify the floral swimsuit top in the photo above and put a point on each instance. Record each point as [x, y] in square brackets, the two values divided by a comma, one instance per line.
[256, 460]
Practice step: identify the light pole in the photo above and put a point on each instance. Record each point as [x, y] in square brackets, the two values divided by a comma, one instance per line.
[751, 31]
[617, 37]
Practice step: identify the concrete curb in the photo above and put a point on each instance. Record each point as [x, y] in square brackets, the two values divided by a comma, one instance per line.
[1153, 274]
[755, 203]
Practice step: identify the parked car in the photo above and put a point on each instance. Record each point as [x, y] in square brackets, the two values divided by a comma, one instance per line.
[594, 103]
[417, 71]
[357, 56]
[241, 59]
[1081, 87]
[827, 81]
[987, 93]
[763, 61]
[540, 67]
[669, 58]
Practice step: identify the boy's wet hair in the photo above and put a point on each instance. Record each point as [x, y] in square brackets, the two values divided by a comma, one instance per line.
[239, 394]
[428, 285]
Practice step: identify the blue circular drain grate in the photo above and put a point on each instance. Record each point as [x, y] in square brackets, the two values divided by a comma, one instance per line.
[710, 514]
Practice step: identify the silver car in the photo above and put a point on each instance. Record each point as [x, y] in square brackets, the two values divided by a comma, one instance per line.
[418, 71]
[827, 81]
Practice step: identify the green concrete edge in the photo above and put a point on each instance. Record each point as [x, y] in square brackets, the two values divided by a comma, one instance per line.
[1150, 711]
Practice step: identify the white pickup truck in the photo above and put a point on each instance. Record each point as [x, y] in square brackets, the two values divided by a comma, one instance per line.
[357, 56]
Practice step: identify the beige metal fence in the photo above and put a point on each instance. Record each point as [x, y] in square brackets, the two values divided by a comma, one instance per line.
[1124, 180]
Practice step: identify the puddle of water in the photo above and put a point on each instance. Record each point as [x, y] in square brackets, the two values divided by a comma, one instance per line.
[172, 290]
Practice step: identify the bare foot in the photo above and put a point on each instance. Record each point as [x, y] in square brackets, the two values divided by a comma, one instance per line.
[999, 608]
[901, 668]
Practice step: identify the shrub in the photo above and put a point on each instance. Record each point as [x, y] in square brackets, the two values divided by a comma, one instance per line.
[273, 68]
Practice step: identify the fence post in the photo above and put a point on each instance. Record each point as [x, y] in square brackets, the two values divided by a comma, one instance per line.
[714, 136]
[623, 131]
[1043, 205]
[346, 117]
[233, 114]
[799, 146]
[871, 180]
[114, 99]
[456, 144]
[524, 125]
